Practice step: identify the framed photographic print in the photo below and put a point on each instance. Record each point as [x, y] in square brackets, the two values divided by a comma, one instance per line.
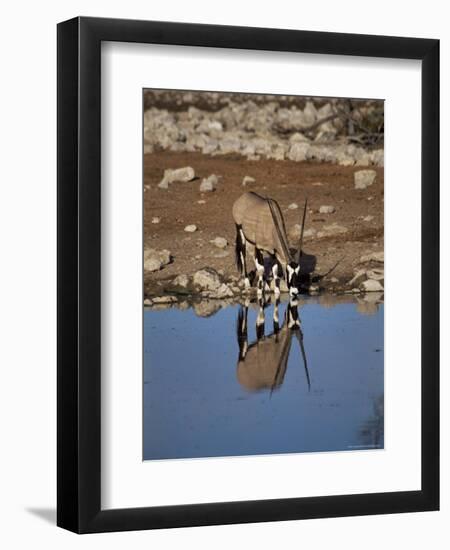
[248, 259]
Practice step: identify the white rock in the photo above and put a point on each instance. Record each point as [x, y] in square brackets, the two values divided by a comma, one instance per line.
[224, 291]
[376, 274]
[220, 242]
[364, 178]
[147, 302]
[180, 174]
[371, 286]
[331, 230]
[190, 228]
[293, 206]
[155, 259]
[207, 279]
[201, 201]
[358, 278]
[247, 180]
[209, 184]
[372, 257]
[294, 233]
[152, 264]
[298, 151]
[327, 209]
[367, 218]
[309, 233]
[181, 280]
[164, 299]
[156, 219]
[298, 137]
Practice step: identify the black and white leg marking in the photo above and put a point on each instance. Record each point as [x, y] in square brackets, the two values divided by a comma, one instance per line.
[259, 264]
[276, 268]
[241, 249]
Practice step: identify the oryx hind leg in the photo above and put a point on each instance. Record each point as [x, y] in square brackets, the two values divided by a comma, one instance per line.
[240, 251]
[276, 269]
[259, 264]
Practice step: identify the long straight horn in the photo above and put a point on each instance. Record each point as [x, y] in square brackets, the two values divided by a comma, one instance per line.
[302, 230]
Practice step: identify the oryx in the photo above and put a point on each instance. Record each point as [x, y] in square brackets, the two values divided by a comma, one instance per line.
[260, 227]
[262, 364]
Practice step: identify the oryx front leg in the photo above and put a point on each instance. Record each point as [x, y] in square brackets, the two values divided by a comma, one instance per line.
[276, 278]
[241, 253]
[259, 264]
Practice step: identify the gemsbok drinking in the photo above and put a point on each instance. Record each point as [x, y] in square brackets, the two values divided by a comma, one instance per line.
[260, 229]
[262, 364]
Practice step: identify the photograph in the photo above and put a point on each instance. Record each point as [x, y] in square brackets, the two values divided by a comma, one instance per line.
[263, 274]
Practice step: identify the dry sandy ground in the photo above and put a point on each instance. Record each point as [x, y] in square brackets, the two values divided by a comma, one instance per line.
[287, 182]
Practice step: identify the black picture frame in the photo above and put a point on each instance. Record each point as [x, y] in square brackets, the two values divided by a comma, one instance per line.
[79, 280]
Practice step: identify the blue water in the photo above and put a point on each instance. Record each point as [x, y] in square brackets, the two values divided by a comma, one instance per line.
[197, 403]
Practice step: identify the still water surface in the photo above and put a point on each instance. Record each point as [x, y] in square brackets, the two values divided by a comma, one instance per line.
[209, 391]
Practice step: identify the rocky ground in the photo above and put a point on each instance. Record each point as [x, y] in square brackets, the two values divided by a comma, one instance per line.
[202, 156]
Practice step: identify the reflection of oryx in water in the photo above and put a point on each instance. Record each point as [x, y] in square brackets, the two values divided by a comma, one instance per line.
[260, 227]
[263, 363]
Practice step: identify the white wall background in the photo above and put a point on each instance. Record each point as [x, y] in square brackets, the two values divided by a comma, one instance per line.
[28, 270]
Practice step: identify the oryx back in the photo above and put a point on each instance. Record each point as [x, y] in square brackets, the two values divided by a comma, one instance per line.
[263, 225]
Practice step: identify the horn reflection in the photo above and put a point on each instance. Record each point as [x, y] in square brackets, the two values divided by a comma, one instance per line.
[262, 364]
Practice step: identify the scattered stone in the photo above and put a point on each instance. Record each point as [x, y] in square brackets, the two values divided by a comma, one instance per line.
[164, 299]
[334, 280]
[201, 201]
[147, 302]
[327, 209]
[190, 228]
[309, 233]
[367, 218]
[318, 184]
[364, 178]
[358, 278]
[247, 180]
[180, 174]
[297, 137]
[298, 151]
[293, 206]
[181, 280]
[372, 257]
[224, 291]
[207, 279]
[255, 130]
[152, 264]
[346, 161]
[296, 229]
[154, 260]
[371, 286]
[156, 219]
[375, 274]
[332, 230]
[220, 242]
[209, 184]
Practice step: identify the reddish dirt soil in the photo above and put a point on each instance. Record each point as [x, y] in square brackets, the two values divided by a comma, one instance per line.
[287, 182]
